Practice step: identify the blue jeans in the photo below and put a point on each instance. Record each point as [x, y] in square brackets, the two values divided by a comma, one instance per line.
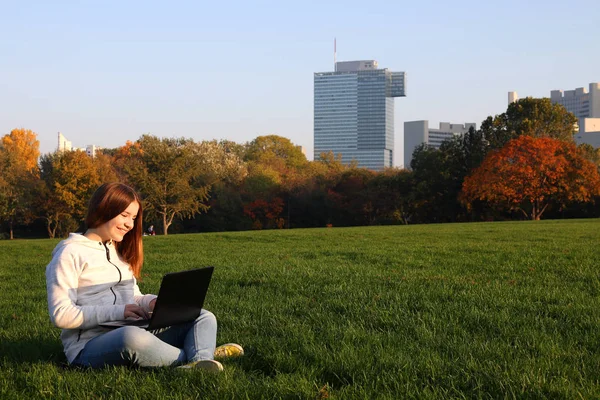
[169, 346]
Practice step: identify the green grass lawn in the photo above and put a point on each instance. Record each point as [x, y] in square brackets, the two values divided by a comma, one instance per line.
[487, 310]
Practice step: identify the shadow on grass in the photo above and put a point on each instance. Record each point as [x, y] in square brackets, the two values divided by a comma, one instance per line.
[50, 351]
[32, 350]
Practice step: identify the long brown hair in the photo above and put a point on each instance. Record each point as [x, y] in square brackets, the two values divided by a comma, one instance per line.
[108, 201]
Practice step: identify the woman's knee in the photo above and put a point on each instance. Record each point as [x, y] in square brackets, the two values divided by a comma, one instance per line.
[134, 338]
[207, 317]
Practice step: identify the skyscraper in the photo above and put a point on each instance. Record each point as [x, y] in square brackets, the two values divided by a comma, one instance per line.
[354, 112]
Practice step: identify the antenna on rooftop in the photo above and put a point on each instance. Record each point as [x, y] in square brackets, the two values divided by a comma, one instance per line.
[334, 55]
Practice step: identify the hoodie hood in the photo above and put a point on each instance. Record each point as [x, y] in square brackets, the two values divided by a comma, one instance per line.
[80, 240]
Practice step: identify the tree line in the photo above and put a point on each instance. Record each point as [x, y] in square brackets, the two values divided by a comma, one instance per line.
[520, 164]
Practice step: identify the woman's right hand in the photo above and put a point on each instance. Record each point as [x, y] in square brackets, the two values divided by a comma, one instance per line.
[135, 311]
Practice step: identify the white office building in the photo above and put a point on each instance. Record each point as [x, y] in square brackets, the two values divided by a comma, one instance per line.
[589, 132]
[418, 132]
[585, 104]
[63, 143]
[581, 102]
[67, 145]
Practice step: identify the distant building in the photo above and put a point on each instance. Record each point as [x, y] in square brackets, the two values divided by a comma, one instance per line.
[584, 104]
[302, 149]
[63, 143]
[91, 150]
[418, 132]
[354, 112]
[589, 132]
[66, 145]
[581, 102]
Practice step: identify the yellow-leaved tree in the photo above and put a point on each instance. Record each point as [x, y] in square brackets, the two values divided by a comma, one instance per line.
[19, 152]
[68, 179]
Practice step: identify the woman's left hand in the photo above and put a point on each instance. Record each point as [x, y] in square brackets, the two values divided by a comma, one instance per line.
[151, 305]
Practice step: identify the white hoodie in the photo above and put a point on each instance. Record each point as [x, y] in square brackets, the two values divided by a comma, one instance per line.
[88, 284]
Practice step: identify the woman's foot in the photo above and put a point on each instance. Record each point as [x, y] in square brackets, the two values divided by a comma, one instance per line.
[229, 350]
[207, 365]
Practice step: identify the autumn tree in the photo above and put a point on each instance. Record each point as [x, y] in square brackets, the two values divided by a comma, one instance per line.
[23, 147]
[19, 152]
[528, 173]
[262, 196]
[531, 117]
[265, 214]
[275, 151]
[277, 158]
[68, 179]
[5, 189]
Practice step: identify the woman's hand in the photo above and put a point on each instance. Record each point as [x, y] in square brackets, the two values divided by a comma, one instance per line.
[152, 304]
[135, 311]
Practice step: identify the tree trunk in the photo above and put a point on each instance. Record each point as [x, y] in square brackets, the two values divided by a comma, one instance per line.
[50, 235]
[52, 225]
[10, 225]
[536, 213]
[165, 227]
[52, 230]
[288, 210]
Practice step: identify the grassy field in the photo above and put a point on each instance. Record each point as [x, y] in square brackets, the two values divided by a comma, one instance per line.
[487, 310]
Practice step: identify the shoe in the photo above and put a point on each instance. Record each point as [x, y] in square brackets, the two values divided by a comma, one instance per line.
[229, 350]
[207, 365]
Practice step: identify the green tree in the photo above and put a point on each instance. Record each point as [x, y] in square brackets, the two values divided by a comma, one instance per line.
[392, 196]
[590, 153]
[351, 198]
[230, 146]
[217, 162]
[432, 189]
[531, 117]
[439, 174]
[175, 175]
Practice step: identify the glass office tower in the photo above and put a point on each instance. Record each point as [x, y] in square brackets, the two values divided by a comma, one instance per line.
[354, 113]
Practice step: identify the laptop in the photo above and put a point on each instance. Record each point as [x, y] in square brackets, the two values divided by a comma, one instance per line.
[180, 299]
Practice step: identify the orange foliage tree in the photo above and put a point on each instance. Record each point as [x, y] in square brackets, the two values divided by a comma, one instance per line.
[24, 148]
[68, 179]
[528, 173]
[19, 152]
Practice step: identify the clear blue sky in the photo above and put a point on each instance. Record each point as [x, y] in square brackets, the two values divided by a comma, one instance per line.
[104, 72]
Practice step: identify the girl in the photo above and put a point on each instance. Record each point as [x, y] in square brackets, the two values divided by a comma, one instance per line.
[92, 279]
